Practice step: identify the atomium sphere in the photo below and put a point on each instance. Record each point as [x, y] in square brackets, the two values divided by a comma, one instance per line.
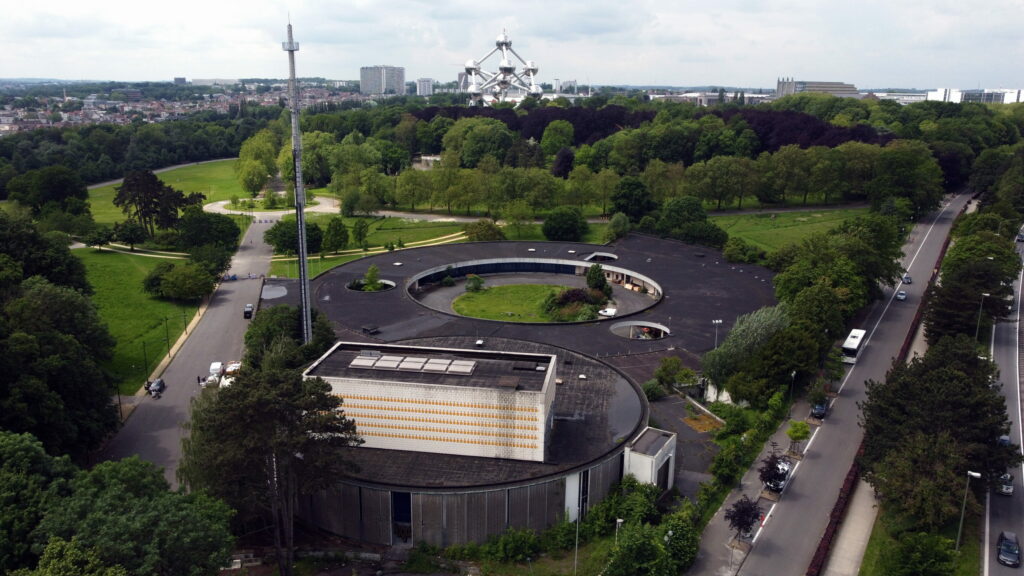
[502, 41]
[530, 68]
[472, 66]
[506, 67]
[474, 89]
[536, 90]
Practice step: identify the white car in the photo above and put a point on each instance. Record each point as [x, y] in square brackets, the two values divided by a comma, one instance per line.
[901, 295]
[607, 312]
[216, 369]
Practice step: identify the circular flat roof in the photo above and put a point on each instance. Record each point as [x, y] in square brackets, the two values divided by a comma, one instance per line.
[593, 417]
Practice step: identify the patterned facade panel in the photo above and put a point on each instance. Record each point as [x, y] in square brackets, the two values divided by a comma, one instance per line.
[428, 518]
[376, 515]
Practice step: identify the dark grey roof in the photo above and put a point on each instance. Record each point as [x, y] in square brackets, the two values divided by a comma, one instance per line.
[651, 441]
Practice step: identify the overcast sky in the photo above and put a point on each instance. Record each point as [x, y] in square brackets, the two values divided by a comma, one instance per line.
[748, 43]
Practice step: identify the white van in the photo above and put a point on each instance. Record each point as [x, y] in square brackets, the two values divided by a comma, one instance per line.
[216, 369]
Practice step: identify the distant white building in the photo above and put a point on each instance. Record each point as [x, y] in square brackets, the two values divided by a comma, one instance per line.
[425, 87]
[982, 96]
[378, 80]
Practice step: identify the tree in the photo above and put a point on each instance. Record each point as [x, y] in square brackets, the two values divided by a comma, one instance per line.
[518, 216]
[130, 232]
[484, 231]
[596, 280]
[262, 443]
[950, 389]
[187, 282]
[565, 224]
[920, 554]
[29, 477]
[199, 228]
[798, 432]
[252, 175]
[64, 558]
[639, 552]
[360, 230]
[336, 237]
[51, 384]
[284, 237]
[46, 255]
[679, 211]
[100, 236]
[144, 198]
[125, 512]
[618, 226]
[371, 280]
[632, 198]
[557, 135]
[742, 515]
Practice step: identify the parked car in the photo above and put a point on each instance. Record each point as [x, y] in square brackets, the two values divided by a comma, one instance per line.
[247, 311]
[907, 279]
[156, 387]
[1008, 549]
[216, 369]
[779, 485]
[819, 410]
[211, 380]
[901, 295]
[607, 312]
[1005, 486]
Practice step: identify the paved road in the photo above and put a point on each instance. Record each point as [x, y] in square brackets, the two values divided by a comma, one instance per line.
[792, 527]
[154, 431]
[1006, 513]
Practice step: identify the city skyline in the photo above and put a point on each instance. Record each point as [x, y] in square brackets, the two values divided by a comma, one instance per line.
[735, 43]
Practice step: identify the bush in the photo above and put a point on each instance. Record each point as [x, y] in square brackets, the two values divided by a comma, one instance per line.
[448, 282]
[653, 390]
[513, 546]
[474, 283]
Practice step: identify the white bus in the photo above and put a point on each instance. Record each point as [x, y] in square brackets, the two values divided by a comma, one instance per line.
[853, 345]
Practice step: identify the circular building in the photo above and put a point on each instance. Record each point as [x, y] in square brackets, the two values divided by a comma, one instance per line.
[473, 426]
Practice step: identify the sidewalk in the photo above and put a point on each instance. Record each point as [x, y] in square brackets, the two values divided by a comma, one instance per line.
[716, 557]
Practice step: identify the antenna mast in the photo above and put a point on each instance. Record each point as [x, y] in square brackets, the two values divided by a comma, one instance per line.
[291, 47]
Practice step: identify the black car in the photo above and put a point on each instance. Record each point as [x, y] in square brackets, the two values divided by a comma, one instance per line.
[819, 410]
[247, 311]
[907, 279]
[1008, 549]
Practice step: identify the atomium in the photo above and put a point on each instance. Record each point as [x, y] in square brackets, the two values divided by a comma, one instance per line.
[496, 85]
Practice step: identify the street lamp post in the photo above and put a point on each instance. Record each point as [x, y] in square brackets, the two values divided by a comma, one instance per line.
[977, 326]
[963, 507]
[716, 323]
[618, 524]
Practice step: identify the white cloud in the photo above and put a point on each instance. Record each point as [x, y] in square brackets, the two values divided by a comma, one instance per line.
[871, 43]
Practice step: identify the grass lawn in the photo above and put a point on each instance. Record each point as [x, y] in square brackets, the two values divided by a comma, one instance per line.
[968, 562]
[214, 179]
[773, 231]
[133, 317]
[511, 303]
[593, 559]
[532, 232]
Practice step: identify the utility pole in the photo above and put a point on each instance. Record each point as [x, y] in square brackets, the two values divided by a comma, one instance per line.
[291, 47]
